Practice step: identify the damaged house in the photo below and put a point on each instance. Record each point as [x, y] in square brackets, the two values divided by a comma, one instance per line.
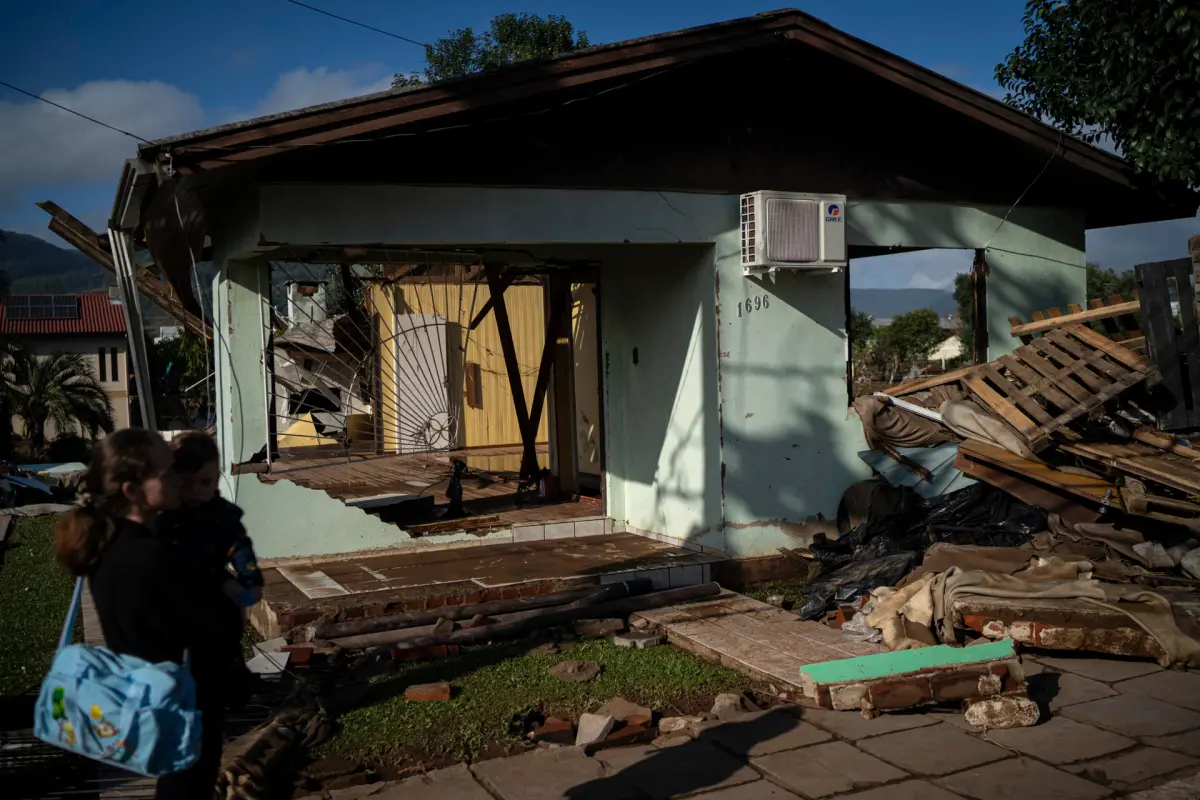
[605, 293]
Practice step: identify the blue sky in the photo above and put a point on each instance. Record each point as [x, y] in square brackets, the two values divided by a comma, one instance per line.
[156, 68]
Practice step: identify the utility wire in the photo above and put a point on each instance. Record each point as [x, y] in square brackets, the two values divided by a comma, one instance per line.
[359, 24]
[72, 111]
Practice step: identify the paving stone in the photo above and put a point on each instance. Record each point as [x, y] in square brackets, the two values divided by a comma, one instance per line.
[762, 733]
[909, 790]
[1135, 715]
[1107, 670]
[1180, 688]
[1129, 769]
[551, 775]
[762, 790]
[826, 769]
[1021, 778]
[1062, 689]
[669, 772]
[1188, 742]
[1181, 789]
[1061, 741]
[851, 725]
[453, 783]
[938, 750]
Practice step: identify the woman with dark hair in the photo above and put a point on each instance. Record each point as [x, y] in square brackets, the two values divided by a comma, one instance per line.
[151, 601]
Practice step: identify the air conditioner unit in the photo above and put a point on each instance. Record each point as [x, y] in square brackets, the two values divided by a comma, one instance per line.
[793, 231]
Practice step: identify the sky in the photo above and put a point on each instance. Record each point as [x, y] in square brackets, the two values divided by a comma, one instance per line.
[155, 69]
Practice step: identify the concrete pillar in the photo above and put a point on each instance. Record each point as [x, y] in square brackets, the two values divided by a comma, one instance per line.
[240, 311]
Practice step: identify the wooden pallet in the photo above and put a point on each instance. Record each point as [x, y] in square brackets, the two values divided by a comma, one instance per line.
[1113, 315]
[1054, 380]
[1175, 349]
[1142, 460]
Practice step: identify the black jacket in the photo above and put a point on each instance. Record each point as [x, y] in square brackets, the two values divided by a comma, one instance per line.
[155, 603]
[211, 534]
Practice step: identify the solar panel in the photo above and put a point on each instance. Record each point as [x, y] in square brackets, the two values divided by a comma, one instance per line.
[43, 307]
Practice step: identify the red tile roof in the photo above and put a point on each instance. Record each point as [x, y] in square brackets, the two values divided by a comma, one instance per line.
[97, 315]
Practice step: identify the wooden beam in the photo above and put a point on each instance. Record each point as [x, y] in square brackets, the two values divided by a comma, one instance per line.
[496, 287]
[505, 281]
[1091, 315]
[562, 435]
[558, 304]
[75, 233]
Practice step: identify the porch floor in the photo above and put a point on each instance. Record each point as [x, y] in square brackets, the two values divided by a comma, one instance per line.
[362, 584]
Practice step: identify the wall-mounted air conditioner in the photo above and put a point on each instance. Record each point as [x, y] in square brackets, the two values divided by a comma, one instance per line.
[792, 231]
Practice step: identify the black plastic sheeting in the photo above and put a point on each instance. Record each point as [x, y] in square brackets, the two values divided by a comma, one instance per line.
[885, 548]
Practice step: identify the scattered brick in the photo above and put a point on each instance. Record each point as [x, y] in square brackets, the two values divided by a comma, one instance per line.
[554, 731]
[428, 653]
[596, 628]
[299, 654]
[427, 692]
[638, 639]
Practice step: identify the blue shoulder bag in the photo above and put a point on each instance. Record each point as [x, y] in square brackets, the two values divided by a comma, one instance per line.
[118, 709]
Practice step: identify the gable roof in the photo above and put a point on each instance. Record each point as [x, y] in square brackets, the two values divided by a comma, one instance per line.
[390, 113]
[98, 315]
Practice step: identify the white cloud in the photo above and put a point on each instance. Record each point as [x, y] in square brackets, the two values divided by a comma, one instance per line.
[923, 269]
[42, 145]
[303, 87]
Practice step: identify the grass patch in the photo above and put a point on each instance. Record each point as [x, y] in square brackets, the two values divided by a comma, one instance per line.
[795, 591]
[34, 596]
[491, 690]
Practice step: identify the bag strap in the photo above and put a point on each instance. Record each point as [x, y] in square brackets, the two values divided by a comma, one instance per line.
[72, 614]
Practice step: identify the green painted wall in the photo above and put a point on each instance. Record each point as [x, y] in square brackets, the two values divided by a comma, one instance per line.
[731, 430]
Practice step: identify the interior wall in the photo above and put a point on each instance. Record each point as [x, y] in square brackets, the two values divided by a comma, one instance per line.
[586, 369]
[662, 456]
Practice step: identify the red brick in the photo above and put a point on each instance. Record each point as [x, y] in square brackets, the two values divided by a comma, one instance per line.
[417, 604]
[376, 609]
[454, 600]
[434, 602]
[302, 616]
[527, 590]
[627, 735]
[472, 599]
[555, 731]
[544, 588]
[354, 612]
[491, 595]
[974, 622]
[901, 694]
[594, 628]
[299, 654]
[639, 720]
[954, 687]
[427, 692]
[510, 594]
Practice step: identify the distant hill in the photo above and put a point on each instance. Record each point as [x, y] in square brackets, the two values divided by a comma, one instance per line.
[35, 266]
[887, 303]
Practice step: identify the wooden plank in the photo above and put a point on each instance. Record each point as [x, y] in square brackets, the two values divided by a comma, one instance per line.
[1027, 404]
[1074, 506]
[1164, 441]
[1077, 367]
[1141, 460]
[1016, 322]
[1042, 386]
[1112, 328]
[997, 402]
[1188, 341]
[496, 286]
[1092, 358]
[1057, 320]
[1162, 346]
[1118, 352]
[921, 384]
[1052, 373]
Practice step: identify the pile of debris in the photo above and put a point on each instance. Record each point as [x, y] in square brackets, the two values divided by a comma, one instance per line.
[1051, 496]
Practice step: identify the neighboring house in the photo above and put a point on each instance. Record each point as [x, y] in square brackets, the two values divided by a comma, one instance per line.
[90, 324]
[949, 349]
[721, 419]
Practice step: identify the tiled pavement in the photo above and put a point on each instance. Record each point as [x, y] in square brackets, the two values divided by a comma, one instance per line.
[1119, 729]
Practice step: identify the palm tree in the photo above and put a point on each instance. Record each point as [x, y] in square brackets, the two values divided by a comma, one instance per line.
[59, 388]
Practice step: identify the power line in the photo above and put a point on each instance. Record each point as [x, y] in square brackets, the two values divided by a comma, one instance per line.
[72, 111]
[359, 24]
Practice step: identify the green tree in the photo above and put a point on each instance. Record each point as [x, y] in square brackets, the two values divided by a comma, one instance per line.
[60, 388]
[1105, 282]
[862, 330]
[908, 339]
[965, 298]
[511, 38]
[1130, 70]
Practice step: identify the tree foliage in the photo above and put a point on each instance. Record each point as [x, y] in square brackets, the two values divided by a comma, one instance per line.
[60, 388]
[964, 297]
[1130, 70]
[511, 38]
[1104, 283]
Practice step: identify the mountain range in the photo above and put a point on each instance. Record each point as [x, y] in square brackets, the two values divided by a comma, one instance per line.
[887, 303]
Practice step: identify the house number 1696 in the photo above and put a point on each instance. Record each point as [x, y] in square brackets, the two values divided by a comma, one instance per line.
[751, 304]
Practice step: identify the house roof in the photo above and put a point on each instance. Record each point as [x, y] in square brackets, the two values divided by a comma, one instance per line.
[97, 315]
[1098, 179]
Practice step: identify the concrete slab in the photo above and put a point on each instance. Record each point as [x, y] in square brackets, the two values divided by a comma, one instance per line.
[664, 773]
[1135, 715]
[851, 725]
[1106, 670]
[761, 734]
[761, 790]
[909, 790]
[453, 783]
[1181, 789]
[937, 750]
[1180, 688]
[1187, 743]
[826, 769]
[1060, 740]
[1130, 769]
[550, 775]
[1021, 778]
[1062, 689]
